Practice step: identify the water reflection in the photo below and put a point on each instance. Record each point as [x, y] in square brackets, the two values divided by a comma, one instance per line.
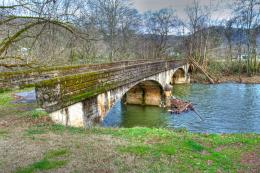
[134, 115]
[225, 108]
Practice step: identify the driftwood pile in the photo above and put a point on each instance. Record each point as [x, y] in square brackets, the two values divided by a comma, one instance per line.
[178, 106]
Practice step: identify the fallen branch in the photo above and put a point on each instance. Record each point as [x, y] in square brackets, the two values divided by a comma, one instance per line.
[196, 64]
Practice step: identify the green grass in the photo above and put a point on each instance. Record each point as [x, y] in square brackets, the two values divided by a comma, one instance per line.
[37, 113]
[42, 165]
[56, 153]
[3, 133]
[8, 108]
[190, 151]
[35, 131]
[50, 161]
[5, 98]
[55, 128]
[159, 150]
[155, 150]
[194, 146]
[195, 150]
[6, 95]
[138, 150]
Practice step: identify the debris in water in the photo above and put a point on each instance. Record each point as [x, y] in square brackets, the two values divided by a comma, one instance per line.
[178, 106]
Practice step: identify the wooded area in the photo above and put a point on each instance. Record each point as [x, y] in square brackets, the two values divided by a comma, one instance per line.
[65, 32]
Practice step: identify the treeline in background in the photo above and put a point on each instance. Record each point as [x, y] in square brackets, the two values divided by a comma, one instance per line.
[43, 33]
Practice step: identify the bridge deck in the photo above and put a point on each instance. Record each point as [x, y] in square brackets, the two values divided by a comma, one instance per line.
[29, 77]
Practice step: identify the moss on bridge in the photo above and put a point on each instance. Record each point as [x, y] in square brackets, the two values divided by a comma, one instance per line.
[40, 70]
[93, 92]
[25, 78]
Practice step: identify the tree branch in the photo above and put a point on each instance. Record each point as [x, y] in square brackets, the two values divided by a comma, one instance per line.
[12, 6]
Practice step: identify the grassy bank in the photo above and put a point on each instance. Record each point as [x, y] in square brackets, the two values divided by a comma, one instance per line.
[30, 142]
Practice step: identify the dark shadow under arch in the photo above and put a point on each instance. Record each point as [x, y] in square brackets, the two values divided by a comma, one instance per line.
[191, 68]
[147, 92]
[178, 76]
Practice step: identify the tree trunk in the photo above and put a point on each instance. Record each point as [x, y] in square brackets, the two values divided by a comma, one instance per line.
[196, 64]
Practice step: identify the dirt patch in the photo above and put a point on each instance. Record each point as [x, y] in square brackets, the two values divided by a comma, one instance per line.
[155, 140]
[103, 171]
[251, 160]
[23, 121]
[218, 149]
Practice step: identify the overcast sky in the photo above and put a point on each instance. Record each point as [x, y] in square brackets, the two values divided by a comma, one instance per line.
[179, 6]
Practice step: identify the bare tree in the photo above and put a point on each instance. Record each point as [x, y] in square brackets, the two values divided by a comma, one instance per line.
[248, 12]
[27, 20]
[196, 21]
[203, 34]
[159, 25]
[129, 25]
[108, 16]
[228, 32]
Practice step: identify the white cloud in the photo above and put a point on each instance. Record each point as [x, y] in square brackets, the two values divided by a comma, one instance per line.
[180, 5]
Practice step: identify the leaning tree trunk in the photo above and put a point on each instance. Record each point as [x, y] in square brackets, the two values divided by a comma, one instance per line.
[202, 70]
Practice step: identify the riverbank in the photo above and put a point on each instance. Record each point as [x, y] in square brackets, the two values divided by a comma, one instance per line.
[240, 79]
[30, 142]
[200, 78]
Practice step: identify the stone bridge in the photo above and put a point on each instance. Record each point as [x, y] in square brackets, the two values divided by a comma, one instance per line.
[85, 98]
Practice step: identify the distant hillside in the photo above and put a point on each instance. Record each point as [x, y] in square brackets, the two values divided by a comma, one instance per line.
[217, 32]
[238, 35]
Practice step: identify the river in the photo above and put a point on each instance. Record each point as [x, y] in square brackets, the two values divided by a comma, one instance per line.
[224, 108]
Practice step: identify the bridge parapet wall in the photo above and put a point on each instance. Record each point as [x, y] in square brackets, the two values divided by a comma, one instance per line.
[60, 92]
[30, 77]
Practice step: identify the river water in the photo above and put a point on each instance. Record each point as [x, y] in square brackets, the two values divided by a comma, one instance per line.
[224, 108]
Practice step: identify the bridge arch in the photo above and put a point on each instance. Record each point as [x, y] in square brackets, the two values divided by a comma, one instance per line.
[148, 92]
[144, 92]
[179, 76]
